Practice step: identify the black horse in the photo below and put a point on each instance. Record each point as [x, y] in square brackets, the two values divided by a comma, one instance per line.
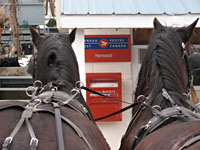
[165, 118]
[33, 125]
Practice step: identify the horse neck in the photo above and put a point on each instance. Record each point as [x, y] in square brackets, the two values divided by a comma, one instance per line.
[67, 84]
[162, 67]
[155, 75]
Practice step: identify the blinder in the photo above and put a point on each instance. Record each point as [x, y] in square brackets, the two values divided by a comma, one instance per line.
[194, 61]
[32, 65]
[189, 70]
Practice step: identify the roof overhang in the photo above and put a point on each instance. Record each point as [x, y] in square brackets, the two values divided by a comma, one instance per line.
[124, 21]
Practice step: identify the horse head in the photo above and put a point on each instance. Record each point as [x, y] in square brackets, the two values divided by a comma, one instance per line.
[164, 78]
[169, 68]
[55, 59]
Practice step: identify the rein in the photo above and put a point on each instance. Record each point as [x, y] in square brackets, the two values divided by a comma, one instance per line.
[165, 94]
[112, 114]
[119, 111]
[95, 92]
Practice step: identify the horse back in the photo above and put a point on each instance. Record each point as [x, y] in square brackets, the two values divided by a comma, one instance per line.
[172, 137]
[43, 123]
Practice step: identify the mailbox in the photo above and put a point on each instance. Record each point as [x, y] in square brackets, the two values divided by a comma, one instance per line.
[108, 84]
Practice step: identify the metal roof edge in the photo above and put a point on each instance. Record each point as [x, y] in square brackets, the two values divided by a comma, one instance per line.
[124, 21]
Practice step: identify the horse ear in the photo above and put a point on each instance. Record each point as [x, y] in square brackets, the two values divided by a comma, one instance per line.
[35, 37]
[72, 35]
[191, 27]
[157, 25]
[186, 32]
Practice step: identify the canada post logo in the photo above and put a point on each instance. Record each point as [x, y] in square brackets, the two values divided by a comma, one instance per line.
[103, 43]
[106, 43]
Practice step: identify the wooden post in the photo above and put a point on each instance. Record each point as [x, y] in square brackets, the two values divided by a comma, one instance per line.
[14, 26]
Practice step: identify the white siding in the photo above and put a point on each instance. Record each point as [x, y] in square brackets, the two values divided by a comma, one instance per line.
[113, 131]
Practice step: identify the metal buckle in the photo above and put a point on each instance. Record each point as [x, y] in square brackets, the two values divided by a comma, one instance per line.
[183, 45]
[168, 97]
[38, 103]
[7, 142]
[37, 83]
[54, 88]
[74, 91]
[147, 125]
[79, 84]
[136, 137]
[83, 108]
[157, 107]
[34, 140]
[196, 105]
[188, 96]
[34, 104]
[32, 89]
[9, 139]
[141, 98]
[165, 94]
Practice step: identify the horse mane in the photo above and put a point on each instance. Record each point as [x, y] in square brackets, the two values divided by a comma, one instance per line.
[162, 67]
[56, 49]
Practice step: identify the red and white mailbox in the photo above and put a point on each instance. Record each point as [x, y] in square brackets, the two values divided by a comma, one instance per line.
[110, 85]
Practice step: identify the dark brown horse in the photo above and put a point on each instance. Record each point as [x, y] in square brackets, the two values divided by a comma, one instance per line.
[164, 120]
[55, 65]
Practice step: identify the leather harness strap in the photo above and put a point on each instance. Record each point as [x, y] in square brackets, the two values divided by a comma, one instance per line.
[27, 113]
[190, 142]
[8, 140]
[164, 117]
[34, 140]
[59, 129]
[57, 99]
[63, 99]
[72, 125]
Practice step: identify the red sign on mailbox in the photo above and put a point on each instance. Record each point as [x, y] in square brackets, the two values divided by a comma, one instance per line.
[107, 48]
[108, 84]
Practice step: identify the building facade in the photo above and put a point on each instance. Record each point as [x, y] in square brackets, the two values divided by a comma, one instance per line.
[117, 19]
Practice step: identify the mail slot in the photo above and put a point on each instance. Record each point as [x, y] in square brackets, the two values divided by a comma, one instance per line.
[108, 84]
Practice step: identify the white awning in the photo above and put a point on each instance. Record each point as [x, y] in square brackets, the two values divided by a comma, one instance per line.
[124, 21]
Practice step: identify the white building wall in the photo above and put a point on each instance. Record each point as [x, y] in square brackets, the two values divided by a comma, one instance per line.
[135, 63]
[113, 131]
[78, 46]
